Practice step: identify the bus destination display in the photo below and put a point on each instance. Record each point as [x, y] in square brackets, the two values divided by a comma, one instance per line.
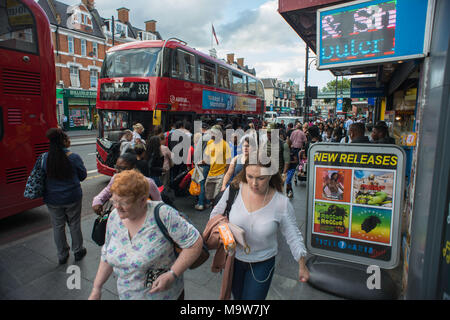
[124, 91]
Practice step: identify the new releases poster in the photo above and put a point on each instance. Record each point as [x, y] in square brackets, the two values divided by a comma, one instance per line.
[331, 219]
[373, 188]
[354, 201]
[371, 224]
[333, 184]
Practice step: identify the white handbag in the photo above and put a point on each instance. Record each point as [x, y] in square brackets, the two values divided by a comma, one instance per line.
[239, 236]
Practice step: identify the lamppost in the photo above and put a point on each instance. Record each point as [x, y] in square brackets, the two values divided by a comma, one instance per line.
[307, 65]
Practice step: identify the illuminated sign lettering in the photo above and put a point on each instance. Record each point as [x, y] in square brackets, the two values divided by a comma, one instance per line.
[369, 31]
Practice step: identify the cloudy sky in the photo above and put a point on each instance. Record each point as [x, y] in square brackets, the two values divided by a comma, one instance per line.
[251, 29]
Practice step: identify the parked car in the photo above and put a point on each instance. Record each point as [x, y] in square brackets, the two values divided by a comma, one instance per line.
[270, 116]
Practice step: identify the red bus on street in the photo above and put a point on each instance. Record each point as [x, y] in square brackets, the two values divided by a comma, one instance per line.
[161, 82]
[27, 98]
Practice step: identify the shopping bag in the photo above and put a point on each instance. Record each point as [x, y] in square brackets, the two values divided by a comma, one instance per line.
[194, 188]
[197, 176]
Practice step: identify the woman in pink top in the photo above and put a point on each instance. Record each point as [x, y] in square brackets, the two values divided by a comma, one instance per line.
[127, 161]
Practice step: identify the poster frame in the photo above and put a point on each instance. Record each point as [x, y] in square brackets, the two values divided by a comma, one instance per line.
[398, 194]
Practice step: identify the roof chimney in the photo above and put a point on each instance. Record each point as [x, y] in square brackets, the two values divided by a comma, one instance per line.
[150, 26]
[240, 62]
[90, 4]
[230, 58]
[122, 14]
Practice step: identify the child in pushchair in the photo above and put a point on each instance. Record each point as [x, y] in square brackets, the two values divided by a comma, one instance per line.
[301, 168]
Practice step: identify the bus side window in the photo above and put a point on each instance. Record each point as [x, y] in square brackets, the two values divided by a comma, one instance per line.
[19, 33]
[260, 90]
[189, 66]
[207, 72]
[223, 75]
[251, 86]
[238, 83]
[176, 65]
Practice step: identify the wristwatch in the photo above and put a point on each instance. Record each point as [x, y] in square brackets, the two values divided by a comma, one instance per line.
[174, 274]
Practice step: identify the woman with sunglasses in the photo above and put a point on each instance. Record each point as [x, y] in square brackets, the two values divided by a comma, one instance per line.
[127, 161]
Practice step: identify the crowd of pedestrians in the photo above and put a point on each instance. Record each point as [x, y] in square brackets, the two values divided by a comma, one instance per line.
[147, 169]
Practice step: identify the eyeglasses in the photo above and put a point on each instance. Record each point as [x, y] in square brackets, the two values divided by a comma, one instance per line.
[121, 203]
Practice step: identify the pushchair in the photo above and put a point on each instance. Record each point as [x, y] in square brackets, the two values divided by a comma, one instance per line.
[300, 172]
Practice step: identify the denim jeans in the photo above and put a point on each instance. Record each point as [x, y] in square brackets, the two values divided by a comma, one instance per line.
[201, 198]
[70, 214]
[251, 281]
[290, 174]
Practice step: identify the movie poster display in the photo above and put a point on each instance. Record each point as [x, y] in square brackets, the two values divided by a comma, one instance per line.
[354, 202]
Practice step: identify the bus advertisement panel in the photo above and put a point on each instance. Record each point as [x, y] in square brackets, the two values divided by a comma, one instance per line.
[354, 202]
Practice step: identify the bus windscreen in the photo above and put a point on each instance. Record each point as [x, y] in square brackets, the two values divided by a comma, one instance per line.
[131, 63]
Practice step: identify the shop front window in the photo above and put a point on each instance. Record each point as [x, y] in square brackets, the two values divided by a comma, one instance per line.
[78, 117]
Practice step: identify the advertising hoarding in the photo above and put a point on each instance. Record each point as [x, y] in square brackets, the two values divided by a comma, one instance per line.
[354, 202]
[368, 32]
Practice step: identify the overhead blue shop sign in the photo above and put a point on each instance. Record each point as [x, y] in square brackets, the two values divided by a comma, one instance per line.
[368, 32]
[365, 88]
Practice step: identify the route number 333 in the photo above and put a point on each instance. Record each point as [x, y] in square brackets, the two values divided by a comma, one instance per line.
[143, 88]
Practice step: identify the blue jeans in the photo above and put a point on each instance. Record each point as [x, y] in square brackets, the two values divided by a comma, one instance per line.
[290, 174]
[252, 281]
[201, 198]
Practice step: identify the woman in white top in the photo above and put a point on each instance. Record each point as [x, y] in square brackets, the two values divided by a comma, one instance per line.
[138, 129]
[260, 208]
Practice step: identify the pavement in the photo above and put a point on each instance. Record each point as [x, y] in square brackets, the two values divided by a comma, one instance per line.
[82, 137]
[29, 267]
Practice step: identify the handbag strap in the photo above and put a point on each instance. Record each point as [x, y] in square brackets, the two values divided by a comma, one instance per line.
[160, 224]
[232, 194]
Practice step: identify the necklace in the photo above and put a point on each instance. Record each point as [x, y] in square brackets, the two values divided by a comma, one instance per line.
[252, 216]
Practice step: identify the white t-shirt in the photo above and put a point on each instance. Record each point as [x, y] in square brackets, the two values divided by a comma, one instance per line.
[261, 227]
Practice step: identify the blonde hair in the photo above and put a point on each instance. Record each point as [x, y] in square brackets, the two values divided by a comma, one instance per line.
[138, 126]
[130, 183]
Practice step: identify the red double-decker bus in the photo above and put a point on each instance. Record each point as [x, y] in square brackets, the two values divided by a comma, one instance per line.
[27, 98]
[161, 82]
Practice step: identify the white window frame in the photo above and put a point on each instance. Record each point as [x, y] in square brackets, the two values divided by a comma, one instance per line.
[96, 78]
[74, 77]
[70, 40]
[83, 47]
[95, 49]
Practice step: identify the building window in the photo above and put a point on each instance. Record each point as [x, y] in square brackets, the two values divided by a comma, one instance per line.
[70, 43]
[83, 47]
[75, 76]
[93, 78]
[95, 49]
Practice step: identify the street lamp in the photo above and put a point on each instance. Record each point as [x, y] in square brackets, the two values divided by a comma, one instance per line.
[307, 65]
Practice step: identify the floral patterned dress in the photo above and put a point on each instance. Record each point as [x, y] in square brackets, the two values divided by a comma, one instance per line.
[148, 249]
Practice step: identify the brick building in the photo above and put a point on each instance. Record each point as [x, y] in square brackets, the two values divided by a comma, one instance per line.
[81, 38]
